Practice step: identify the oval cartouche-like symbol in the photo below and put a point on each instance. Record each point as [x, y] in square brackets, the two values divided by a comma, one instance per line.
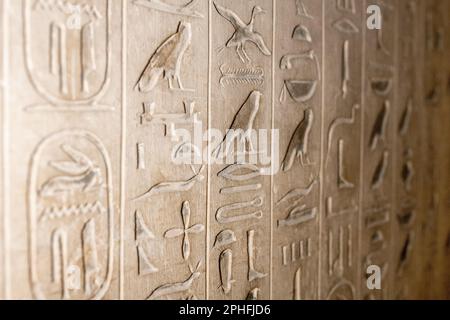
[70, 217]
[346, 26]
[224, 238]
[406, 217]
[301, 90]
[234, 172]
[301, 33]
[381, 86]
[343, 290]
[50, 71]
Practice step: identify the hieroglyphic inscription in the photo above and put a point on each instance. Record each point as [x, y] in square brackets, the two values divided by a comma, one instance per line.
[342, 124]
[102, 115]
[380, 136]
[298, 93]
[74, 69]
[165, 94]
[434, 231]
[241, 100]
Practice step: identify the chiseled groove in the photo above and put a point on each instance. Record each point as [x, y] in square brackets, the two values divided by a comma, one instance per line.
[395, 201]
[422, 136]
[208, 178]
[361, 151]
[322, 149]
[274, 20]
[123, 150]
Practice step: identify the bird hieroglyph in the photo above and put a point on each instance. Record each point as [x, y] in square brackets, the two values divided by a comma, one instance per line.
[243, 33]
[242, 126]
[298, 147]
[167, 61]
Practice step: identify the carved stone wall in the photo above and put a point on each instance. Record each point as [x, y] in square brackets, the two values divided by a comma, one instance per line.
[115, 118]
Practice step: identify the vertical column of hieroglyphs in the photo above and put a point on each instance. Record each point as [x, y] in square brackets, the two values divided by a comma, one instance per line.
[421, 131]
[435, 86]
[378, 153]
[437, 83]
[241, 101]
[408, 115]
[64, 155]
[165, 213]
[342, 149]
[297, 117]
